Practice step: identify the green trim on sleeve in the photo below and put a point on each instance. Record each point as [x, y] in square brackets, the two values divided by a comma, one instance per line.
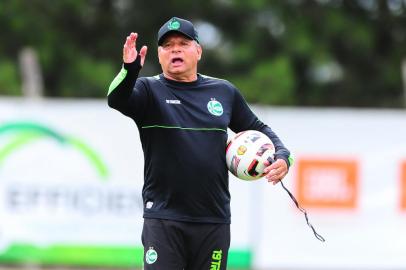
[117, 80]
[291, 160]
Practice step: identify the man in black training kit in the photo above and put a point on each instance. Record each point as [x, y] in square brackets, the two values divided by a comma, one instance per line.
[182, 118]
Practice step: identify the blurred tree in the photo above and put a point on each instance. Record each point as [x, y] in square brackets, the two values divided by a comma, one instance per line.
[9, 83]
[293, 52]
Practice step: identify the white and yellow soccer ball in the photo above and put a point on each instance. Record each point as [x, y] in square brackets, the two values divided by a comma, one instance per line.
[247, 152]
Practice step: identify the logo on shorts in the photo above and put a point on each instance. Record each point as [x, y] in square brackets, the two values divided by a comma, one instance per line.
[149, 205]
[215, 107]
[151, 256]
[216, 259]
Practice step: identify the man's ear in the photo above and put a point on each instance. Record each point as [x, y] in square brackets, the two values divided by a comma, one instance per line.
[199, 51]
[159, 49]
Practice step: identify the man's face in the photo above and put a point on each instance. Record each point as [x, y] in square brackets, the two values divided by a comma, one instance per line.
[178, 56]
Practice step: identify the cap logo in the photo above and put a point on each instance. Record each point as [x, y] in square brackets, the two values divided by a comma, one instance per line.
[173, 24]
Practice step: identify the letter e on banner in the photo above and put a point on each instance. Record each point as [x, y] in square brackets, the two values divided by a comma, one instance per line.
[327, 183]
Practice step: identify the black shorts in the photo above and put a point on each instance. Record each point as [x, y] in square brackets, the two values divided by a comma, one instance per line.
[174, 245]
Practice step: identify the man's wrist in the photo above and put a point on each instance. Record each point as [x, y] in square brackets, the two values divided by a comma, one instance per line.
[284, 159]
[133, 66]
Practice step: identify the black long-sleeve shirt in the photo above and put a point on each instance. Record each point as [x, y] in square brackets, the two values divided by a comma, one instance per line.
[183, 132]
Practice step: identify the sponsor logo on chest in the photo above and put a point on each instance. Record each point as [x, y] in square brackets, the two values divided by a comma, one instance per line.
[173, 101]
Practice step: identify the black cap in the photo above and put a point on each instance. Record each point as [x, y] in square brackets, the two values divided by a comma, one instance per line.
[179, 25]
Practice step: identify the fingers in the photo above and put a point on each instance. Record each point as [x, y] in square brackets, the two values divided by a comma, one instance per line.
[129, 51]
[130, 42]
[276, 171]
[131, 39]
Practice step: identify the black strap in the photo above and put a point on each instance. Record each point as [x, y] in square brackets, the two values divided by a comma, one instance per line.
[318, 236]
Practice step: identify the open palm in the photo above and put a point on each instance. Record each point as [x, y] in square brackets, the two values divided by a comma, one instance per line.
[130, 52]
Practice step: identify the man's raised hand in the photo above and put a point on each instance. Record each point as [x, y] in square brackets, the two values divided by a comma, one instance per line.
[130, 52]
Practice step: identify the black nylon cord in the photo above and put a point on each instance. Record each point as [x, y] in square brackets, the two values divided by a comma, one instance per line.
[318, 236]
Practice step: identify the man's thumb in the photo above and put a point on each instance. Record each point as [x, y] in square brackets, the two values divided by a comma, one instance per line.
[143, 53]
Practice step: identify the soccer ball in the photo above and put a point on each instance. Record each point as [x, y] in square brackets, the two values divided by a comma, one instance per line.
[246, 153]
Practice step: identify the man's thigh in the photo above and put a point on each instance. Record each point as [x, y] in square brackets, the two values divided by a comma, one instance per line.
[208, 247]
[163, 245]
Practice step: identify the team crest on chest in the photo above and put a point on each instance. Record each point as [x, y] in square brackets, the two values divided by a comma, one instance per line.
[215, 107]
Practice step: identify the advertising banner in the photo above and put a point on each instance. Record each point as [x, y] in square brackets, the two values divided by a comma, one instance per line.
[71, 174]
